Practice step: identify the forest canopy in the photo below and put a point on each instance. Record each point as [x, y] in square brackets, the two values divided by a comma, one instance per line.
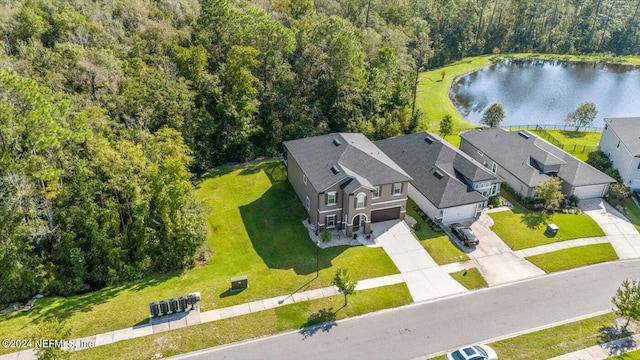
[108, 108]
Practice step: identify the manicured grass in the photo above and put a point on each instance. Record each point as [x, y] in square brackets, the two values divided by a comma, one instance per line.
[255, 229]
[438, 244]
[578, 144]
[634, 355]
[574, 257]
[470, 279]
[294, 316]
[632, 212]
[556, 341]
[521, 228]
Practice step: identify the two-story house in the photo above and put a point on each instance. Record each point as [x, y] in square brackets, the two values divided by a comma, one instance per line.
[448, 185]
[621, 142]
[346, 182]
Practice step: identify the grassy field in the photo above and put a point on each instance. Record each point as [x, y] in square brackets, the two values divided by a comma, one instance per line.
[255, 229]
[470, 279]
[521, 228]
[577, 143]
[574, 257]
[438, 244]
[556, 341]
[289, 317]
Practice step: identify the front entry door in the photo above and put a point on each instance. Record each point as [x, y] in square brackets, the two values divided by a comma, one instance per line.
[358, 222]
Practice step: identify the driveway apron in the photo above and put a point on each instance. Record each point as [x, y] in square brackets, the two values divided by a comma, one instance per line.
[620, 232]
[422, 275]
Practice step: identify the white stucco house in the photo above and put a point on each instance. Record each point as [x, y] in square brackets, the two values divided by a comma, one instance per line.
[620, 141]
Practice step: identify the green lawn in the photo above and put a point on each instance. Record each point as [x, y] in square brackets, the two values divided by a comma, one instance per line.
[521, 228]
[255, 229]
[634, 355]
[288, 317]
[632, 212]
[556, 341]
[438, 244]
[470, 279]
[578, 144]
[574, 257]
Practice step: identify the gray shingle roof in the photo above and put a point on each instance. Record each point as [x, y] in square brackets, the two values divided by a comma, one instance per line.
[351, 155]
[512, 150]
[438, 169]
[628, 131]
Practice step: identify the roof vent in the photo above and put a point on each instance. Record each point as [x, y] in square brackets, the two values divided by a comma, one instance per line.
[524, 134]
[335, 170]
[428, 139]
[438, 174]
[336, 142]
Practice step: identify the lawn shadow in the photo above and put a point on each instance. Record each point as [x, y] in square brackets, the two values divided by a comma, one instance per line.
[323, 320]
[228, 293]
[534, 219]
[274, 225]
[572, 134]
[615, 340]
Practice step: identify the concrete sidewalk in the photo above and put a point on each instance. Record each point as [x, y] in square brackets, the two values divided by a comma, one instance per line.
[620, 232]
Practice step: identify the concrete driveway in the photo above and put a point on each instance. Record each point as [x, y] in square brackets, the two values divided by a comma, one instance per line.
[495, 260]
[620, 232]
[424, 278]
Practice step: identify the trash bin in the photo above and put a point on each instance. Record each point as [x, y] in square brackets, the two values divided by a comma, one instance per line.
[164, 307]
[552, 229]
[154, 309]
[173, 305]
[182, 303]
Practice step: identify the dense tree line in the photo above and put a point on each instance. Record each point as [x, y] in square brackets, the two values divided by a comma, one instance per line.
[108, 107]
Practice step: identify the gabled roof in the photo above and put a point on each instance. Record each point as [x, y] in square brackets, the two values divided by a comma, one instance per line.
[438, 169]
[628, 131]
[348, 159]
[512, 150]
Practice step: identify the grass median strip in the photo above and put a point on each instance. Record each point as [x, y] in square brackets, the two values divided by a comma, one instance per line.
[470, 279]
[263, 323]
[574, 257]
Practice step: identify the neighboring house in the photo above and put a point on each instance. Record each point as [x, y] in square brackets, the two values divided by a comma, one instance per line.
[621, 142]
[345, 182]
[524, 160]
[448, 185]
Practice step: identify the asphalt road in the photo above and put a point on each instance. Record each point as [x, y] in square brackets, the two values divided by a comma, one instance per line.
[422, 329]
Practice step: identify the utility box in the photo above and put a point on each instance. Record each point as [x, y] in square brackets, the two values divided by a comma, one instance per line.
[154, 308]
[552, 229]
[196, 295]
[239, 283]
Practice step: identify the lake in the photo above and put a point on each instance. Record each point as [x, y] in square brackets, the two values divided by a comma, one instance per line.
[543, 92]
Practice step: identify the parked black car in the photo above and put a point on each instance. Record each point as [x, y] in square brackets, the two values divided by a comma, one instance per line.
[464, 233]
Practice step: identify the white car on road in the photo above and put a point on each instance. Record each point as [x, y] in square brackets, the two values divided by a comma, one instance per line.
[473, 352]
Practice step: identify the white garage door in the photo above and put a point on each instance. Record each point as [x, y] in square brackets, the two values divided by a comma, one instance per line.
[459, 213]
[589, 192]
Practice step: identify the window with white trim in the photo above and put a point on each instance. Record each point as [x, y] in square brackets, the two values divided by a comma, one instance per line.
[376, 192]
[480, 153]
[304, 179]
[494, 168]
[330, 221]
[307, 202]
[397, 188]
[332, 198]
[360, 198]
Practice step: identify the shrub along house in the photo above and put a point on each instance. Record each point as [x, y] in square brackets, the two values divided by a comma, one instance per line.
[448, 185]
[346, 182]
[524, 160]
[621, 142]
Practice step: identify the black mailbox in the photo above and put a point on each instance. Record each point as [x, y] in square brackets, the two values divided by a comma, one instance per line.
[164, 307]
[182, 303]
[154, 308]
[239, 283]
[191, 300]
[173, 305]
